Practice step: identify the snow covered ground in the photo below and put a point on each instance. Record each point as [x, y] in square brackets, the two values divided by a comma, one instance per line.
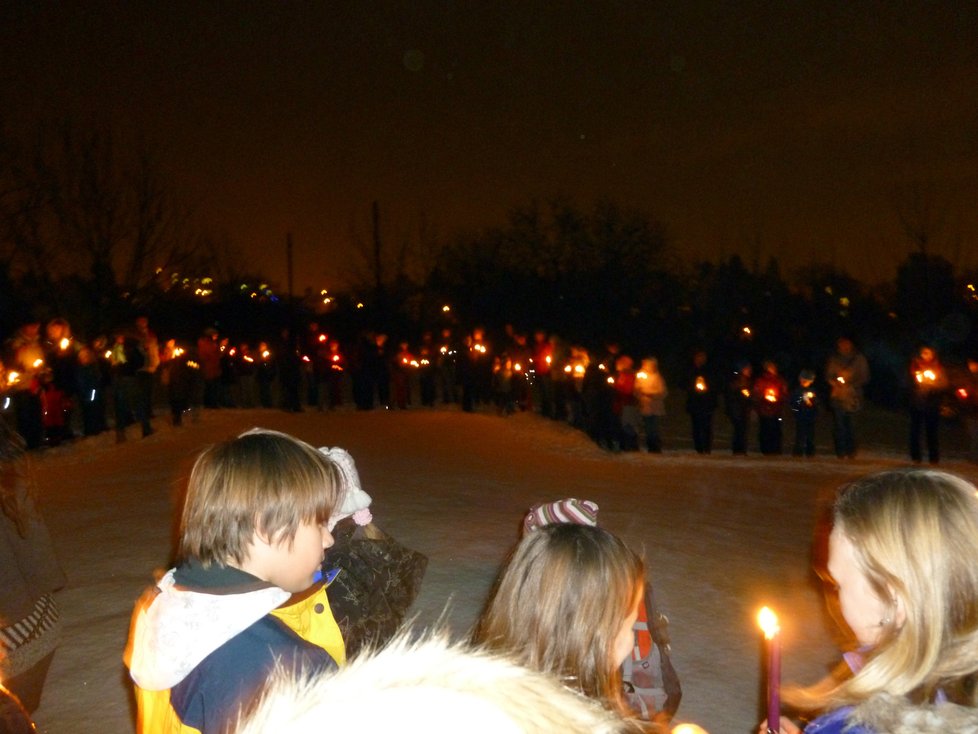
[722, 535]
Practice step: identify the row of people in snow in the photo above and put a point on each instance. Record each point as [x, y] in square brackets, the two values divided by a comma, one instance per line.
[54, 385]
[53, 382]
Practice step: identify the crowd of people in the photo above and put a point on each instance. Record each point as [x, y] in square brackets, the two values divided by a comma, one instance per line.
[243, 635]
[55, 386]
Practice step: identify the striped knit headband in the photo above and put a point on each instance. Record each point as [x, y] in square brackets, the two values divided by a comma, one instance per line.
[572, 511]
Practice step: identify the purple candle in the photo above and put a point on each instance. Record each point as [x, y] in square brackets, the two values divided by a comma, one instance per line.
[768, 621]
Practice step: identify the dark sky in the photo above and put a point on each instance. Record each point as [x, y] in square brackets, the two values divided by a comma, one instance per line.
[786, 128]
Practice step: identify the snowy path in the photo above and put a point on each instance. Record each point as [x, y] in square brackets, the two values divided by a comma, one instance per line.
[722, 536]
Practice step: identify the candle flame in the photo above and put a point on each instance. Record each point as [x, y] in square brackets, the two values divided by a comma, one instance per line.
[64, 343]
[700, 384]
[767, 620]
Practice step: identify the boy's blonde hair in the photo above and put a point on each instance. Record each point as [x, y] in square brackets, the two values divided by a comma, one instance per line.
[560, 604]
[915, 536]
[262, 481]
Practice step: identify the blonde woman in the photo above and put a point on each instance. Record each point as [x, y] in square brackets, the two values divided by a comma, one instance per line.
[903, 566]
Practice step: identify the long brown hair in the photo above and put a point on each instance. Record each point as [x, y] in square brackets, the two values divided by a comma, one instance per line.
[561, 602]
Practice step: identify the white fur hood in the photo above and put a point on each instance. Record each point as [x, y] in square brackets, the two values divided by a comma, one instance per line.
[895, 715]
[174, 629]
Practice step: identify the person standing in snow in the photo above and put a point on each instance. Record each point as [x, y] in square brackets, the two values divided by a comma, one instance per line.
[739, 405]
[928, 385]
[701, 403]
[651, 392]
[846, 373]
[770, 394]
[242, 600]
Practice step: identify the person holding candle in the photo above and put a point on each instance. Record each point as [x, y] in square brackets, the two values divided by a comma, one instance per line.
[804, 407]
[651, 392]
[770, 392]
[902, 564]
[928, 384]
[739, 404]
[701, 402]
[846, 373]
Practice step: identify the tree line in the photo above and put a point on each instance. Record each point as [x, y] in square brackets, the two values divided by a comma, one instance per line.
[92, 229]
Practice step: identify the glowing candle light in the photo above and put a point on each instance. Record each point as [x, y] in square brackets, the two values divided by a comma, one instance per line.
[700, 384]
[64, 343]
[768, 622]
[771, 395]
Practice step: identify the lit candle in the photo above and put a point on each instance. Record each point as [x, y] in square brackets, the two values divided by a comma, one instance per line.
[768, 622]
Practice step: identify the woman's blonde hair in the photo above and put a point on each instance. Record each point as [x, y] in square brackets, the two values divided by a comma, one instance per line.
[915, 536]
[560, 604]
[262, 481]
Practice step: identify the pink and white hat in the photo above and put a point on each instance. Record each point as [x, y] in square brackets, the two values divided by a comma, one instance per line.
[577, 512]
[353, 500]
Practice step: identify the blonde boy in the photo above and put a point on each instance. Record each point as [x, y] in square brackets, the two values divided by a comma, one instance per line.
[242, 600]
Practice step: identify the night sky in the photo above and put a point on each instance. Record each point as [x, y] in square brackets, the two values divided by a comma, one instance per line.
[765, 128]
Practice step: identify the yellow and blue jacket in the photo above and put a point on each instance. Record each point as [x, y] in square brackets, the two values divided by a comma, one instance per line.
[205, 640]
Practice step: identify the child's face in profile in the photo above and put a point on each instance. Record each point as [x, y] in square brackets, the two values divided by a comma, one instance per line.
[293, 566]
[625, 640]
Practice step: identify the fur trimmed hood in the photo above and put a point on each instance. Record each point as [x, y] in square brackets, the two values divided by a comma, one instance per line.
[887, 714]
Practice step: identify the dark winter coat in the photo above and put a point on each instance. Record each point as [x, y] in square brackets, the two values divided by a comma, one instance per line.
[885, 714]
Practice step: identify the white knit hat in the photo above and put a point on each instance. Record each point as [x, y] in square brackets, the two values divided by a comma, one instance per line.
[354, 500]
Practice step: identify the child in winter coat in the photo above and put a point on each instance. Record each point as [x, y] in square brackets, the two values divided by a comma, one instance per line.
[804, 406]
[242, 601]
